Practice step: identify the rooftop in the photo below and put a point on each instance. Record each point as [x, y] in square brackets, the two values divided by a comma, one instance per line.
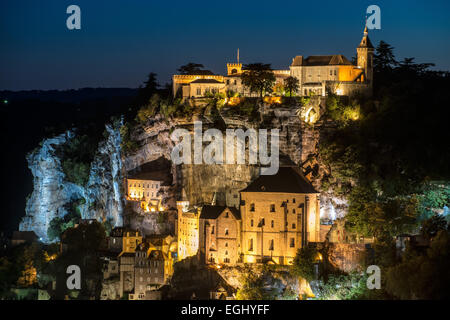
[336, 59]
[213, 212]
[287, 180]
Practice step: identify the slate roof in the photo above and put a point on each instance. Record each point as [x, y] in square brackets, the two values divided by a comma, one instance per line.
[337, 59]
[287, 180]
[213, 212]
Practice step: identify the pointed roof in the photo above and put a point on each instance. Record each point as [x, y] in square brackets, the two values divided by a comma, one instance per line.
[213, 212]
[287, 180]
[365, 41]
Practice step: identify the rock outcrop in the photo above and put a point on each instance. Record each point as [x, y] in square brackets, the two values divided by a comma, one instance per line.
[52, 194]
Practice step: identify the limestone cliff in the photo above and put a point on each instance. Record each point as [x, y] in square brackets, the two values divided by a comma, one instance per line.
[101, 197]
[50, 190]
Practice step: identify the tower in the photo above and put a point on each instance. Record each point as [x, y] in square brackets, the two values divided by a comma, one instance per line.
[234, 69]
[365, 57]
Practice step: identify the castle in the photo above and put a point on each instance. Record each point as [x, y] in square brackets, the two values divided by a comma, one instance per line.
[316, 75]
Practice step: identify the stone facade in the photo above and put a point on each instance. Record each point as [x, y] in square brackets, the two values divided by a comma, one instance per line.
[278, 215]
[187, 230]
[317, 75]
[219, 237]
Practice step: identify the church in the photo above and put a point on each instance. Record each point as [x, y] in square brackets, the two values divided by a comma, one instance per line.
[317, 75]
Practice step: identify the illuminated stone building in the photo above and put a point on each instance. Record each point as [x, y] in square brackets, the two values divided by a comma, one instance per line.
[187, 230]
[145, 188]
[280, 214]
[316, 74]
[199, 86]
[219, 238]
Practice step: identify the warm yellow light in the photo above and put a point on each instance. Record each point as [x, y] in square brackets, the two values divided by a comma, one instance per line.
[339, 92]
[153, 209]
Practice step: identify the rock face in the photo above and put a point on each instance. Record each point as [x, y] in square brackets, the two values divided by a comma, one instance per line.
[346, 257]
[199, 183]
[103, 192]
[52, 193]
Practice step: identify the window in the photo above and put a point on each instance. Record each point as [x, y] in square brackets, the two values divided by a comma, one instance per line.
[292, 243]
[228, 81]
[252, 207]
[226, 244]
[331, 72]
[226, 232]
[235, 82]
[293, 226]
[271, 223]
[293, 200]
[226, 214]
[250, 245]
[272, 208]
[334, 72]
[271, 245]
[212, 230]
[226, 260]
[251, 223]
[293, 210]
[226, 252]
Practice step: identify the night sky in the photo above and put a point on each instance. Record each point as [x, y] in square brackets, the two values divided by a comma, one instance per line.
[120, 42]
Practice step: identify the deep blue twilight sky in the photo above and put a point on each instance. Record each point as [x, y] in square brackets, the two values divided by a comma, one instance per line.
[120, 42]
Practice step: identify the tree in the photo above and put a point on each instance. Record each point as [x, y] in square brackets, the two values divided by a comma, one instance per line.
[258, 78]
[304, 261]
[193, 68]
[291, 84]
[384, 58]
[422, 275]
[432, 225]
[148, 90]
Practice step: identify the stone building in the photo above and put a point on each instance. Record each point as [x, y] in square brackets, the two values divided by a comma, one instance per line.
[148, 271]
[219, 238]
[187, 230]
[317, 75]
[124, 240]
[335, 73]
[145, 187]
[280, 214]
